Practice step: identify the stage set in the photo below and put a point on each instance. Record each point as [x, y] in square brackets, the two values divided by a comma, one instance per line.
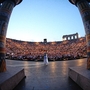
[80, 75]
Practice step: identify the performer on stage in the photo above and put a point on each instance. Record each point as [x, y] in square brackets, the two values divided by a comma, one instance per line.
[45, 59]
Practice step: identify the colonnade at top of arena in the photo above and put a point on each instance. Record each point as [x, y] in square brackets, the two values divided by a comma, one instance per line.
[70, 37]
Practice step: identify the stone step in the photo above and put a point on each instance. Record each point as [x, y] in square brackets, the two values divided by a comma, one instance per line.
[11, 78]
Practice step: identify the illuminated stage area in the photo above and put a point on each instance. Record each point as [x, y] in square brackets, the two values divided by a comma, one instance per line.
[53, 76]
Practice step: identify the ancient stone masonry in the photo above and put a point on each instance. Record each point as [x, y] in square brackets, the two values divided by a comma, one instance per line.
[84, 8]
[70, 37]
[6, 7]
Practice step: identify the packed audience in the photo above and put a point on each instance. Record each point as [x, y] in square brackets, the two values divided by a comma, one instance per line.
[60, 50]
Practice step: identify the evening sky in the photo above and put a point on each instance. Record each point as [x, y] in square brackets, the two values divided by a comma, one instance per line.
[34, 20]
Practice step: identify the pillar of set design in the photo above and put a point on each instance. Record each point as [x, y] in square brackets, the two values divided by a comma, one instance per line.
[6, 8]
[84, 8]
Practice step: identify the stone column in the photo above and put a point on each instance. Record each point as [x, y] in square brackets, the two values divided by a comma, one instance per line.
[70, 37]
[74, 36]
[84, 8]
[6, 7]
[66, 37]
[77, 35]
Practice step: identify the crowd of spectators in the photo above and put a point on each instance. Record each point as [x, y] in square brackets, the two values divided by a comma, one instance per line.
[59, 50]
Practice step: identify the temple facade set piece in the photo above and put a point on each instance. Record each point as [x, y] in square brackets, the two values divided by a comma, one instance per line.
[6, 7]
[84, 8]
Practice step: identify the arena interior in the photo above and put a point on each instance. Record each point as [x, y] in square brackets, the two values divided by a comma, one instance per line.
[68, 49]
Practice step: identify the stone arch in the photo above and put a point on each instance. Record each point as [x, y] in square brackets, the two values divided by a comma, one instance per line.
[70, 37]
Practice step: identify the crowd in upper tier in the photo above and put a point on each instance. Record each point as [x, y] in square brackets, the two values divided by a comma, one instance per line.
[60, 50]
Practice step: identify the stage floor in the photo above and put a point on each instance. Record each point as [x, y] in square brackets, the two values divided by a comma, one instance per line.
[53, 76]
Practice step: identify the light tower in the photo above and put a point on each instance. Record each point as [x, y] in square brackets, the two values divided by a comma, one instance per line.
[84, 8]
[6, 7]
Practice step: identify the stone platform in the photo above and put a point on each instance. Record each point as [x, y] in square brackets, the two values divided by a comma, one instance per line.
[53, 76]
[81, 76]
[10, 78]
